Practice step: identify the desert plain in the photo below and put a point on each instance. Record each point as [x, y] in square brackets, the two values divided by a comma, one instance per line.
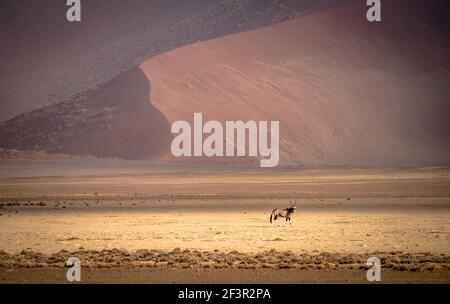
[134, 222]
[87, 169]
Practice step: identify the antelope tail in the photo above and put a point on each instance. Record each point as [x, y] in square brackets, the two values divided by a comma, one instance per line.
[271, 215]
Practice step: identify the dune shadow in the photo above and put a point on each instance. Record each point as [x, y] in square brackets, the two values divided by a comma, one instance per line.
[122, 122]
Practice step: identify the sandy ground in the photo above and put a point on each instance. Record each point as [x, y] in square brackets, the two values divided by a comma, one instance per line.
[220, 220]
[219, 276]
[423, 225]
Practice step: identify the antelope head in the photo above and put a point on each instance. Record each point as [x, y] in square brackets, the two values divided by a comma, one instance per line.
[293, 205]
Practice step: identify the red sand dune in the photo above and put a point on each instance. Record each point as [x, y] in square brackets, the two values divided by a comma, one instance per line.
[45, 59]
[346, 92]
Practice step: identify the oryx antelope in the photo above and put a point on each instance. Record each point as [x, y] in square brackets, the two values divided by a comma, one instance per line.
[286, 213]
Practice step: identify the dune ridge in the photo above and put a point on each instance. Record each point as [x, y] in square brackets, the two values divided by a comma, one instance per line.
[347, 93]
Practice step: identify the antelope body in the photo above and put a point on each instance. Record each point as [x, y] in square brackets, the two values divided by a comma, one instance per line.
[286, 213]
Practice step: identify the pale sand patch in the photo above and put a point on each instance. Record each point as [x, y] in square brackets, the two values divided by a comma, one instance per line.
[335, 225]
[345, 211]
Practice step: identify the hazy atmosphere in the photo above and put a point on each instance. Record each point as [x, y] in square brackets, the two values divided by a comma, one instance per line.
[87, 162]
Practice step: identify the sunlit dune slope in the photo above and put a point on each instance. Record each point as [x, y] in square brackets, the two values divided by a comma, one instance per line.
[346, 91]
